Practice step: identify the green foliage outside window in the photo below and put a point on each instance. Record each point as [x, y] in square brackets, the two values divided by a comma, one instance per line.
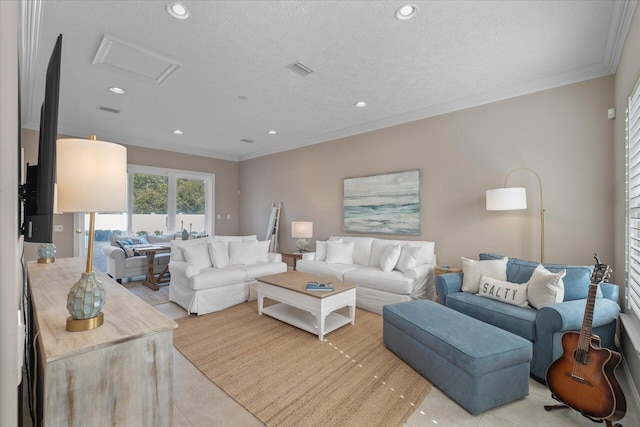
[150, 195]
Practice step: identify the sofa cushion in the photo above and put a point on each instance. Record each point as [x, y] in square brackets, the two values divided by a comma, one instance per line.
[178, 246]
[321, 251]
[321, 268]
[507, 292]
[472, 271]
[576, 281]
[198, 255]
[130, 246]
[219, 254]
[518, 320]
[340, 253]
[263, 269]
[243, 253]
[262, 250]
[545, 288]
[377, 250]
[375, 278]
[161, 238]
[212, 277]
[390, 257]
[408, 259]
[361, 248]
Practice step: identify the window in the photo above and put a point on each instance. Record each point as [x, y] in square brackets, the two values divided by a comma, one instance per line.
[168, 201]
[632, 129]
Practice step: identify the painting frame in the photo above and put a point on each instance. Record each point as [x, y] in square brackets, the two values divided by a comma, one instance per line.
[389, 203]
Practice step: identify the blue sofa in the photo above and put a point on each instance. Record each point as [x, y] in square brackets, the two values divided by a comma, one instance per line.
[544, 327]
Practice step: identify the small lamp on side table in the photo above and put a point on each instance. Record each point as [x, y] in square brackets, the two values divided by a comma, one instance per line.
[302, 230]
[92, 177]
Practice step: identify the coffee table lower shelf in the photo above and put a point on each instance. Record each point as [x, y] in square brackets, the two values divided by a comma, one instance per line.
[303, 319]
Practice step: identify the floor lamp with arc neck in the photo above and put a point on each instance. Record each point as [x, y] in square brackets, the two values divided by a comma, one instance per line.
[515, 198]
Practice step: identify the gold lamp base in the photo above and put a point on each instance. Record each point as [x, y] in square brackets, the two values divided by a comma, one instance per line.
[78, 325]
[46, 260]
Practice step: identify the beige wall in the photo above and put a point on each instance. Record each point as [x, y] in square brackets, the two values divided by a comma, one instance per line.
[563, 134]
[627, 75]
[226, 191]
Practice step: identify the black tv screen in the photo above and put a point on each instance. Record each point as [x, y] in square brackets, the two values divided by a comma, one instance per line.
[39, 188]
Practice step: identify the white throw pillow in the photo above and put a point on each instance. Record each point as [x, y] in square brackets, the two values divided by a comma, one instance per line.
[408, 258]
[390, 257]
[197, 255]
[472, 271]
[339, 253]
[545, 287]
[511, 293]
[262, 250]
[219, 254]
[321, 249]
[243, 253]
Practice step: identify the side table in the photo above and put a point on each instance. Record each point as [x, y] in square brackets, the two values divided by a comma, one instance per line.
[444, 269]
[294, 256]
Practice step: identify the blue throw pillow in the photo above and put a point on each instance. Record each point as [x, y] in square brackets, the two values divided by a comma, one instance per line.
[128, 252]
[576, 282]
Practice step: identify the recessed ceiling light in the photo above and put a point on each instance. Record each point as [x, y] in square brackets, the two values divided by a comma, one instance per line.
[177, 10]
[177, 132]
[360, 104]
[407, 11]
[117, 90]
[272, 132]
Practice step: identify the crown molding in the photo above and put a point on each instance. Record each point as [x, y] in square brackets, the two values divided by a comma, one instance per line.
[618, 30]
[30, 21]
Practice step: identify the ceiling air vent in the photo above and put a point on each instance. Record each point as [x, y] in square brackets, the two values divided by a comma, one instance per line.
[247, 140]
[300, 69]
[108, 110]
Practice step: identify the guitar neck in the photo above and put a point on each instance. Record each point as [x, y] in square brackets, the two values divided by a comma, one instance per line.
[586, 331]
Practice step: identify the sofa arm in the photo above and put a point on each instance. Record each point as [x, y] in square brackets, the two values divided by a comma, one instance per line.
[447, 284]
[115, 261]
[274, 257]
[310, 256]
[609, 291]
[568, 315]
[183, 268]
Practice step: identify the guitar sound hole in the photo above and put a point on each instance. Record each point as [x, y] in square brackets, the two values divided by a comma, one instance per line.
[581, 356]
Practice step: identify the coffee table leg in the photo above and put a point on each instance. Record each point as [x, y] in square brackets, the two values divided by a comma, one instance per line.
[260, 302]
[321, 317]
[352, 314]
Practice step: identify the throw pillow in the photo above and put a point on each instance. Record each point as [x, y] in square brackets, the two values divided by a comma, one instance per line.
[125, 245]
[219, 254]
[390, 257]
[511, 293]
[339, 253]
[545, 288]
[262, 250]
[243, 253]
[408, 258]
[198, 255]
[472, 271]
[321, 249]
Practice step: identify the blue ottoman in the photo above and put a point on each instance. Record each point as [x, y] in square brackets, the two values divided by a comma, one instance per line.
[476, 364]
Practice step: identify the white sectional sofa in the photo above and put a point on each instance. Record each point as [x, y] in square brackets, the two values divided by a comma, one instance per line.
[213, 273]
[386, 271]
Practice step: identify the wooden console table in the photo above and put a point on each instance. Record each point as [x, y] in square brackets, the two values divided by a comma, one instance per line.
[118, 374]
[150, 280]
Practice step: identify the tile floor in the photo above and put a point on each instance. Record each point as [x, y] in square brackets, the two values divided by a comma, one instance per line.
[199, 402]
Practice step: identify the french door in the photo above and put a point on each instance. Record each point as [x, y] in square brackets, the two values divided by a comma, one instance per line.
[160, 201]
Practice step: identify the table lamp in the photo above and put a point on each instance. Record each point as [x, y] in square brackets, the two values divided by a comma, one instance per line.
[302, 230]
[91, 177]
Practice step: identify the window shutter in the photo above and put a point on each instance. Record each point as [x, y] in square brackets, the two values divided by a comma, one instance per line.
[632, 129]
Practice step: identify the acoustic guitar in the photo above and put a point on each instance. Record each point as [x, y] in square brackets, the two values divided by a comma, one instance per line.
[583, 378]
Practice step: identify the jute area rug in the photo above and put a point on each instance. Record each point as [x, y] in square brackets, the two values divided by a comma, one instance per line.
[150, 296]
[287, 377]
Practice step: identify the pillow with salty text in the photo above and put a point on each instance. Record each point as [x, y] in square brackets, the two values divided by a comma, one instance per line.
[500, 290]
[390, 257]
[545, 288]
[472, 271]
[339, 253]
[408, 258]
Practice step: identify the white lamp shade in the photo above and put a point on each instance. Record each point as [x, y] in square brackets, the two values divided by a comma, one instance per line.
[302, 230]
[91, 176]
[507, 199]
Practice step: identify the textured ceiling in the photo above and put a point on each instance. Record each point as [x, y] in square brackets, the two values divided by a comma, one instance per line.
[229, 79]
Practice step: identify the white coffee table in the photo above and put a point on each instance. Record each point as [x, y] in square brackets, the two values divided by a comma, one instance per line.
[311, 311]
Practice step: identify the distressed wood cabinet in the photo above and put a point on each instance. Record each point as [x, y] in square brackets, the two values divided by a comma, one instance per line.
[118, 374]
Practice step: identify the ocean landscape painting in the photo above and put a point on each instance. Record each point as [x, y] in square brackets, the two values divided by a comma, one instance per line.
[388, 203]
